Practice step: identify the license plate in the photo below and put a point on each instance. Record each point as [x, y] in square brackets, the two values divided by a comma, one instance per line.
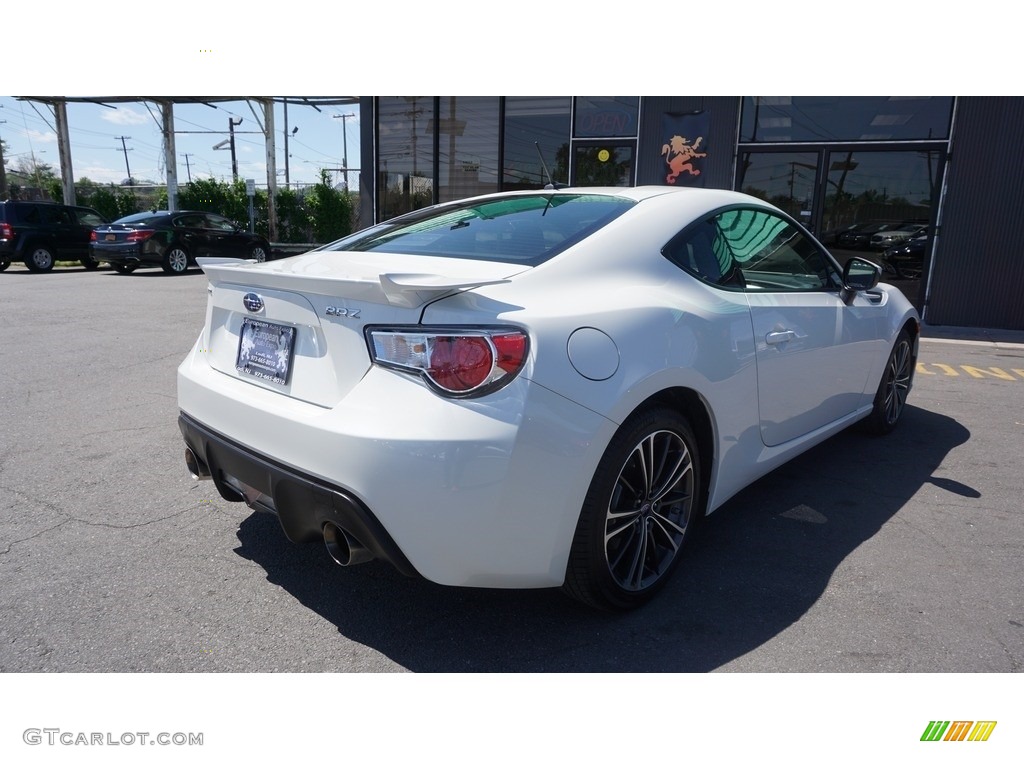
[265, 350]
[110, 238]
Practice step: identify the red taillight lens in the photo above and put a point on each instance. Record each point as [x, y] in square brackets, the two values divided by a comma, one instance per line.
[458, 363]
[92, 236]
[6, 231]
[138, 235]
[511, 351]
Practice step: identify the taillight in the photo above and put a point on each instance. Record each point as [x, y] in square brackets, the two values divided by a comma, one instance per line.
[455, 362]
[6, 231]
[138, 235]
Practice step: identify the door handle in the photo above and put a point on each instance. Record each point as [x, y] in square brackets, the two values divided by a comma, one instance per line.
[780, 337]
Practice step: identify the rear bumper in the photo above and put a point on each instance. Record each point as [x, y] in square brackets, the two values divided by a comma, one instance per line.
[303, 504]
[472, 493]
[130, 256]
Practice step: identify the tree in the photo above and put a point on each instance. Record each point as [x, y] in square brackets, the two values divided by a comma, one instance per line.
[113, 202]
[31, 167]
[3, 170]
[330, 210]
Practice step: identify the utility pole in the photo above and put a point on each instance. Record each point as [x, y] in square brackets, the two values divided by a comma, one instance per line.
[188, 168]
[287, 180]
[344, 136]
[125, 150]
[234, 161]
[3, 172]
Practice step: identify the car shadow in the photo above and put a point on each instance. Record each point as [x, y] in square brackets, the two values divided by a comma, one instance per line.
[155, 271]
[759, 564]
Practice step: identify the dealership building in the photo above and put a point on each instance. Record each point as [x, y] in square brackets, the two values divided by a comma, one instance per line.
[951, 168]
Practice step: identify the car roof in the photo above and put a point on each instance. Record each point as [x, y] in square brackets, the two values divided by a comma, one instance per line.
[141, 214]
[642, 192]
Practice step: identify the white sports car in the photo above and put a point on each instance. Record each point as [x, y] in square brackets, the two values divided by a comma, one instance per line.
[536, 389]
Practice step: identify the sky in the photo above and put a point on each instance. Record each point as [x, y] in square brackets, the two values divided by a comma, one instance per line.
[445, 47]
[98, 153]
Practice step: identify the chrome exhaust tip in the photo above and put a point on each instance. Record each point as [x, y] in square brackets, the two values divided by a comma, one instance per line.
[196, 468]
[344, 548]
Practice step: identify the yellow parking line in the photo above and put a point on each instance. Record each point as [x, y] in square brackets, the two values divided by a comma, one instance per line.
[981, 373]
[973, 371]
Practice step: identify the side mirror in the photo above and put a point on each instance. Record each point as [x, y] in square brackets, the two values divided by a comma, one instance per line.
[859, 275]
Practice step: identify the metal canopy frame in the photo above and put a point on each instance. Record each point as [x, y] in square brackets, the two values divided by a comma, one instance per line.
[165, 104]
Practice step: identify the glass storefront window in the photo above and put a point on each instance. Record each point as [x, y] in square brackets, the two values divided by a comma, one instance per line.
[865, 188]
[876, 203]
[405, 154]
[605, 165]
[845, 118]
[467, 148]
[599, 116]
[540, 119]
[784, 179]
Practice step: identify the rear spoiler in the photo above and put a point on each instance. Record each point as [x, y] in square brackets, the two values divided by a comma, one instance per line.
[398, 289]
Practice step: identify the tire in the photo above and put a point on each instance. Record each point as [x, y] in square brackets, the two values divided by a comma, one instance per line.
[123, 269]
[641, 507]
[259, 253]
[894, 387]
[40, 258]
[4, 263]
[175, 260]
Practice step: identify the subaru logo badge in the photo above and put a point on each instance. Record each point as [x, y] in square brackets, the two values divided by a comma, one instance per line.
[253, 302]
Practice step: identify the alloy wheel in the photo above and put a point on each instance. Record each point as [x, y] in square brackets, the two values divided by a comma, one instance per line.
[176, 260]
[649, 510]
[897, 381]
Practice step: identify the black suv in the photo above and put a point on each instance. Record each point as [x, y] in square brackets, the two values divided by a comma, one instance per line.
[41, 234]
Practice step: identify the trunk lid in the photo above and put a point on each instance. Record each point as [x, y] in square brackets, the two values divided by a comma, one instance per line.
[303, 318]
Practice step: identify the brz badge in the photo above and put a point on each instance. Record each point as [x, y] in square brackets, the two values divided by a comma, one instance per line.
[253, 302]
[342, 312]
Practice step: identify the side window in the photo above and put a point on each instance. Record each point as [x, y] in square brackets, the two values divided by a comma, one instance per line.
[211, 221]
[52, 214]
[772, 254]
[29, 214]
[88, 218]
[702, 251]
[189, 221]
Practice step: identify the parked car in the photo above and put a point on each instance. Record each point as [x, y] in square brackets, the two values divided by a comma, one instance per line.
[173, 240]
[906, 260]
[831, 236]
[536, 389]
[859, 235]
[41, 234]
[889, 237]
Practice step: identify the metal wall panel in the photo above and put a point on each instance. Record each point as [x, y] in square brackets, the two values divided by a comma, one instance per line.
[977, 276]
[724, 114]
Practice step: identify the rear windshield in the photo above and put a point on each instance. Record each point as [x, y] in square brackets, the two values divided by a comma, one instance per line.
[141, 218]
[523, 229]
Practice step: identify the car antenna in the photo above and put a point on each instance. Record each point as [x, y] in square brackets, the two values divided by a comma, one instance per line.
[552, 184]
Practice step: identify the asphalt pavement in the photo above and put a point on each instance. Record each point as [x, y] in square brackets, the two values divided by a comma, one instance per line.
[896, 554]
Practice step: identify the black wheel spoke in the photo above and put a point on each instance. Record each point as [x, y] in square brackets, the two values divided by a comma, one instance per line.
[670, 528]
[647, 516]
[897, 385]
